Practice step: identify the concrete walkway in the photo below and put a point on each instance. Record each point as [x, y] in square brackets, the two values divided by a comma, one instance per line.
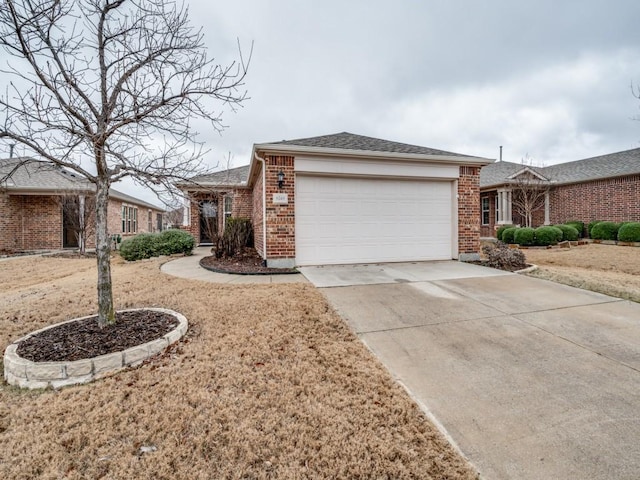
[531, 379]
[189, 267]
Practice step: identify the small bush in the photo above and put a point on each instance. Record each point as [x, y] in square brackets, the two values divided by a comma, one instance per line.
[500, 256]
[578, 225]
[590, 227]
[174, 241]
[524, 236]
[501, 230]
[605, 231]
[147, 245]
[547, 235]
[141, 246]
[569, 233]
[508, 234]
[238, 234]
[629, 232]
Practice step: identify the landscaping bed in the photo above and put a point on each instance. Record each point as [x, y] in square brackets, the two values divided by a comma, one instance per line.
[268, 383]
[246, 262]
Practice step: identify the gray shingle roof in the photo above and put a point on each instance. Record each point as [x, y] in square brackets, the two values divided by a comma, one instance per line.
[232, 177]
[589, 169]
[350, 141]
[38, 176]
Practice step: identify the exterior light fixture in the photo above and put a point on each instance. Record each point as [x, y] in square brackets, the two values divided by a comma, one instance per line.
[280, 179]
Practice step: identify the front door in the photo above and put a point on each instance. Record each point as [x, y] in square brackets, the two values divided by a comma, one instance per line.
[70, 225]
[208, 221]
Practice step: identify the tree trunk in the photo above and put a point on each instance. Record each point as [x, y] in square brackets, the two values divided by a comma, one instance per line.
[83, 228]
[106, 312]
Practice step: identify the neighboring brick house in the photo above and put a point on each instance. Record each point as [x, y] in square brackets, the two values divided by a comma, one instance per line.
[345, 198]
[34, 217]
[606, 187]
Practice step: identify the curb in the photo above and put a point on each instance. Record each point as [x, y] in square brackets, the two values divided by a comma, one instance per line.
[25, 373]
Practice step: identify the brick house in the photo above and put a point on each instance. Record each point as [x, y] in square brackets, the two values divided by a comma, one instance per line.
[606, 187]
[34, 217]
[345, 198]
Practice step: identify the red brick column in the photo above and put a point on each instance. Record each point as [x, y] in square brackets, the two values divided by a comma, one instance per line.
[469, 212]
[280, 221]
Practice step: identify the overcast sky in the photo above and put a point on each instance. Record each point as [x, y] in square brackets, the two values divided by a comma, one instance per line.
[550, 80]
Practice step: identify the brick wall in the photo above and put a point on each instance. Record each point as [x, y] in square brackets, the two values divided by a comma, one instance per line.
[280, 218]
[614, 199]
[469, 210]
[257, 214]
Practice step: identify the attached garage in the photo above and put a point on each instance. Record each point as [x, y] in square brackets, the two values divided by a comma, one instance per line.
[373, 219]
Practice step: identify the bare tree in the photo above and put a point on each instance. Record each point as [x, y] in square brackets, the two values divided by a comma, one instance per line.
[110, 89]
[79, 213]
[529, 192]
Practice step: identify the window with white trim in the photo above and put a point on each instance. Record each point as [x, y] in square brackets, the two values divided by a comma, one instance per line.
[129, 219]
[228, 206]
[485, 210]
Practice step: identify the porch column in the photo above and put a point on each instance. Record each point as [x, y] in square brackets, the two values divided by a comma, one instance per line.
[547, 220]
[81, 213]
[504, 207]
[186, 212]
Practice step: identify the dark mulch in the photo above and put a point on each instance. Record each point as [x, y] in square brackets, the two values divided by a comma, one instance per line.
[248, 262]
[85, 339]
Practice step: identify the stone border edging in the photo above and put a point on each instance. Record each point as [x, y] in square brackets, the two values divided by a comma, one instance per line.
[219, 270]
[25, 373]
[529, 269]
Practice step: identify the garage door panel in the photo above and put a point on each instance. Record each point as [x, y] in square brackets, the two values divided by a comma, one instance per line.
[356, 220]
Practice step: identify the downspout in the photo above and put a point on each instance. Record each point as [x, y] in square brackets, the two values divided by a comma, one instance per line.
[264, 206]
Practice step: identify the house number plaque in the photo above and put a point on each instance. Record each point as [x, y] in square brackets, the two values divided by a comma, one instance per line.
[280, 199]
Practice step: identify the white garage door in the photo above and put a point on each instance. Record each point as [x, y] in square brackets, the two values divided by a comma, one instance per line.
[360, 220]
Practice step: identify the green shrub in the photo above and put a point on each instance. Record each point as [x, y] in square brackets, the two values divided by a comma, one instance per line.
[238, 234]
[547, 235]
[591, 225]
[605, 231]
[629, 232]
[578, 225]
[505, 258]
[569, 233]
[141, 246]
[524, 236]
[508, 233]
[174, 241]
[501, 230]
[147, 245]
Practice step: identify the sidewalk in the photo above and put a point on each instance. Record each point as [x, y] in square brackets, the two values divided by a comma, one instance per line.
[189, 267]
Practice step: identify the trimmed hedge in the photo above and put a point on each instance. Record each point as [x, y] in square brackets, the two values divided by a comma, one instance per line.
[591, 225]
[508, 234]
[547, 235]
[578, 225]
[629, 232]
[605, 231]
[524, 236]
[500, 231]
[569, 233]
[147, 245]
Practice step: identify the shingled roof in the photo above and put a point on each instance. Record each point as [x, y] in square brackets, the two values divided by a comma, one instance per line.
[350, 141]
[589, 169]
[234, 177]
[28, 175]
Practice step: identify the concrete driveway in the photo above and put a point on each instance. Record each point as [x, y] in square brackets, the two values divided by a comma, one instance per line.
[531, 379]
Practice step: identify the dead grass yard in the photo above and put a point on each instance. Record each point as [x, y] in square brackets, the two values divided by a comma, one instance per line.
[269, 383]
[609, 269]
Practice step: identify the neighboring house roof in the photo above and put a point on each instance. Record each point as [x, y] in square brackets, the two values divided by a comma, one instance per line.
[595, 168]
[234, 177]
[350, 141]
[24, 175]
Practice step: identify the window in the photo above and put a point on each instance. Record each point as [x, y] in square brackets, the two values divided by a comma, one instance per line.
[485, 210]
[150, 222]
[129, 219]
[497, 209]
[228, 205]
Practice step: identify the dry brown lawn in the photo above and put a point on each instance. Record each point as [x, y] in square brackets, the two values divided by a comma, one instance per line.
[608, 269]
[269, 383]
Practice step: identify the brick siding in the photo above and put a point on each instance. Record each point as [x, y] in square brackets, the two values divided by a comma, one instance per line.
[34, 222]
[469, 210]
[257, 214]
[280, 218]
